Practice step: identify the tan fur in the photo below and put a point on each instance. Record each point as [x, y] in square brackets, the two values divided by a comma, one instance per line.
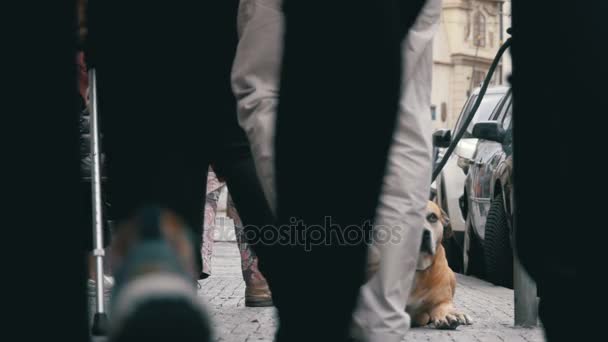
[431, 298]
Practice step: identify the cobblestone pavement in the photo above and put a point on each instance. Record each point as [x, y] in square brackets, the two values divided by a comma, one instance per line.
[490, 306]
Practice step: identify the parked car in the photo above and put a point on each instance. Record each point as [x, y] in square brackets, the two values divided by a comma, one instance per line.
[488, 192]
[448, 188]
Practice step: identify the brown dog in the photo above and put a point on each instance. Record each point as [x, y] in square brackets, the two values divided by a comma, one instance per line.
[430, 300]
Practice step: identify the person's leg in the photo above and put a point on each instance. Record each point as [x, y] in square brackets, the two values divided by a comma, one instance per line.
[340, 88]
[157, 136]
[248, 257]
[255, 82]
[44, 268]
[249, 209]
[380, 313]
[257, 292]
[155, 264]
[214, 189]
[160, 97]
[235, 164]
[551, 56]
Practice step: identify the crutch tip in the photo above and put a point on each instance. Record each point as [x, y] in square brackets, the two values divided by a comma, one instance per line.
[100, 324]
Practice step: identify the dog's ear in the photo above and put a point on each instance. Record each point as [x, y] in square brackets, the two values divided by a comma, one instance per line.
[445, 221]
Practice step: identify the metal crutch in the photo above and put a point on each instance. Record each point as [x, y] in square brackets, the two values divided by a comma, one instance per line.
[100, 318]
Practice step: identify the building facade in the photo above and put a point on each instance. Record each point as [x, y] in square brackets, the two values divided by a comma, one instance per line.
[470, 34]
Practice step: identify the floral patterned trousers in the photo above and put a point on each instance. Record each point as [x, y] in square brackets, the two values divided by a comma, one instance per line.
[249, 261]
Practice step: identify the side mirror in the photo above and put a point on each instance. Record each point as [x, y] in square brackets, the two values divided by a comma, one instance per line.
[442, 138]
[489, 130]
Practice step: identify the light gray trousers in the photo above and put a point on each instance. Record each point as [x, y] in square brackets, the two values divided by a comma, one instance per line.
[380, 315]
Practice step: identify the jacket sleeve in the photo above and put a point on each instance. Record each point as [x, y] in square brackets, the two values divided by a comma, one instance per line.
[255, 79]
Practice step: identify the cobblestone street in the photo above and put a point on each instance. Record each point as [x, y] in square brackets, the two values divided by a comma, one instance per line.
[490, 306]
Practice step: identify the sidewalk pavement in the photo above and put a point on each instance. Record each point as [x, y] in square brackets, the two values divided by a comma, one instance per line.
[490, 306]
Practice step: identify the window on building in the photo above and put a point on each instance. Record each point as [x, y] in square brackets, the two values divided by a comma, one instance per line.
[444, 111]
[433, 112]
[478, 77]
[479, 29]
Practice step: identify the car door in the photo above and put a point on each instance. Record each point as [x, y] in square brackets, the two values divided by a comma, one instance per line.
[507, 124]
[503, 173]
[487, 156]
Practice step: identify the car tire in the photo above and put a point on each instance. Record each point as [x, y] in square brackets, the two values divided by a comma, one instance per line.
[497, 245]
[475, 263]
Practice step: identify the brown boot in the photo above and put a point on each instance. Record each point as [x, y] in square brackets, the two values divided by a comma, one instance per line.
[257, 292]
[258, 296]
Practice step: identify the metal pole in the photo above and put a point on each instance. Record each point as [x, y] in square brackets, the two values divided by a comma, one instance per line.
[501, 15]
[524, 294]
[99, 324]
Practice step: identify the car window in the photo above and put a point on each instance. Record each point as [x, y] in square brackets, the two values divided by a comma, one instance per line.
[465, 109]
[488, 103]
[506, 121]
[507, 125]
[502, 113]
[499, 111]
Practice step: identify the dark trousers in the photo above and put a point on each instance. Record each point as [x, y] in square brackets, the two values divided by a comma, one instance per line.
[44, 241]
[154, 84]
[340, 87]
[550, 87]
[165, 100]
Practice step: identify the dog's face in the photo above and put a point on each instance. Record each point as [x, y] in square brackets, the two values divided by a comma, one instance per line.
[435, 222]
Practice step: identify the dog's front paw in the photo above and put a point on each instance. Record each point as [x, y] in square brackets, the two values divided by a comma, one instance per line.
[448, 321]
[462, 318]
[446, 317]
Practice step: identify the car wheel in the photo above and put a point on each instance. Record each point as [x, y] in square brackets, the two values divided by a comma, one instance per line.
[475, 264]
[497, 245]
